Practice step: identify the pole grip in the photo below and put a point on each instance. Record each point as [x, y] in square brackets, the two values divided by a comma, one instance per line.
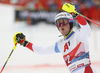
[14, 47]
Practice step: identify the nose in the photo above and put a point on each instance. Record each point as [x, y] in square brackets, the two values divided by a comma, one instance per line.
[61, 25]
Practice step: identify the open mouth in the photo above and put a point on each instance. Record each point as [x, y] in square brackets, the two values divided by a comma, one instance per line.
[62, 28]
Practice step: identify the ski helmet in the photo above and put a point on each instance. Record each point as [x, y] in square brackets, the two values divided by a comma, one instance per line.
[65, 15]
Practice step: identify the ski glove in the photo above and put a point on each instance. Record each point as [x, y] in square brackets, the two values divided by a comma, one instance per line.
[20, 38]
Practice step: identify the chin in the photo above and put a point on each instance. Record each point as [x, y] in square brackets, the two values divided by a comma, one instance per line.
[64, 34]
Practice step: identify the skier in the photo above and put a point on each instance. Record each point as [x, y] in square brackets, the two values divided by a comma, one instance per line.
[73, 47]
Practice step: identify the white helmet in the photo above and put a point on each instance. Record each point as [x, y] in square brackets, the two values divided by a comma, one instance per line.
[65, 15]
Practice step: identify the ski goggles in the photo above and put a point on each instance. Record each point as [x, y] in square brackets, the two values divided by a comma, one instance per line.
[63, 21]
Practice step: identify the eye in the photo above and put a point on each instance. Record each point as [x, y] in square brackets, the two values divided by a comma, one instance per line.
[65, 21]
[61, 20]
[57, 23]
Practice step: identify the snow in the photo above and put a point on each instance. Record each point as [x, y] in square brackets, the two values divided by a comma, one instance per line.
[25, 61]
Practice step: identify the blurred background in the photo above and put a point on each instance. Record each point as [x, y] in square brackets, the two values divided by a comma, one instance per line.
[34, 11]
[35, 18]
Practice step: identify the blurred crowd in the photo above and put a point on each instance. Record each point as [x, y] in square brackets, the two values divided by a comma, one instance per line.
[89, 8]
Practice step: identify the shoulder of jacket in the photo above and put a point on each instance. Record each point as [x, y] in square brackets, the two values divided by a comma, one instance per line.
[60, 40]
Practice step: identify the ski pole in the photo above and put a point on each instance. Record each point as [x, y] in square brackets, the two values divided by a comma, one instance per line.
[15, 44]
[7, 59]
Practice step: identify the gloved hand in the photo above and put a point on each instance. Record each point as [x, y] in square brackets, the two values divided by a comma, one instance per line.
[68, 7]
[20, 38]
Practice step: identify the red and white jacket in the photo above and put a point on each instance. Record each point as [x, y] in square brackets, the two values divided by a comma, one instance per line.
[74, 48]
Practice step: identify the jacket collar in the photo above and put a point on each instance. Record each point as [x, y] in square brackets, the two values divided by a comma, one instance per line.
[69, 35]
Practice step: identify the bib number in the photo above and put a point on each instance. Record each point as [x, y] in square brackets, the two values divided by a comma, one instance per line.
[68, 59]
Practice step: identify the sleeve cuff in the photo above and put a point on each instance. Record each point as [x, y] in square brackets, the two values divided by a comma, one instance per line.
[81, 20]
[29, 46]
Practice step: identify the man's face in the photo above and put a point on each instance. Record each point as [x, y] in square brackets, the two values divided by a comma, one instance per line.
[63, 26]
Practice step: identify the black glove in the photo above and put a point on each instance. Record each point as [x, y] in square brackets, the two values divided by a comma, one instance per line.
[20, 38]
[74, 14]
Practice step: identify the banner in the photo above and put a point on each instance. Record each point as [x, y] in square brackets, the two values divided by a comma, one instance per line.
[35, 16]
